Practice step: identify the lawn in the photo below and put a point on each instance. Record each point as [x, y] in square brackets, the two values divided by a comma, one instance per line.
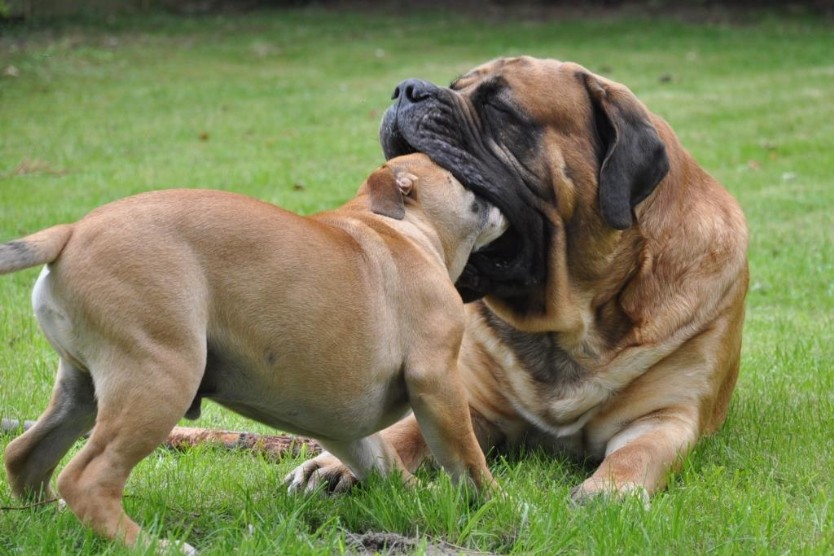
[284, 106]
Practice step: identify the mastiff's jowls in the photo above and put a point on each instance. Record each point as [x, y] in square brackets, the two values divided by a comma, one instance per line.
[612, 311]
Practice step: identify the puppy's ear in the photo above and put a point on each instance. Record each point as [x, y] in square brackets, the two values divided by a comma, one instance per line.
[405, 181]
[634, 159]
[387, 188]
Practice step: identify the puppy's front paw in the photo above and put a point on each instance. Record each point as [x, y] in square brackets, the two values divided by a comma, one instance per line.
[324, 470]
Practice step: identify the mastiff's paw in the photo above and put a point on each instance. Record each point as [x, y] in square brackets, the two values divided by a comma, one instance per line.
[593, 489]
[324, 470]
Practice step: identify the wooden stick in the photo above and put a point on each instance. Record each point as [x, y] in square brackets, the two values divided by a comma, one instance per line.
[182, 438]
[274, 446]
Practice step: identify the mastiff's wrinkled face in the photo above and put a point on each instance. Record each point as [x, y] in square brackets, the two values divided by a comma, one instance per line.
[539, 139]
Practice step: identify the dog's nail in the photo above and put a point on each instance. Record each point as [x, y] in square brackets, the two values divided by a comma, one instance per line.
[313, 483]
[292, 485]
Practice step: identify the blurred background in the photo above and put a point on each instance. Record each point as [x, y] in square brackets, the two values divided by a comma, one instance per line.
[29, 9]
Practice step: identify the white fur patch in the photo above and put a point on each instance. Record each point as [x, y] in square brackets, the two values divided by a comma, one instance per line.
[52, 318]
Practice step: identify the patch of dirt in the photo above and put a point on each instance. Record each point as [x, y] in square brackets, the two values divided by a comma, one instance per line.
[29, 166]
[374, 542]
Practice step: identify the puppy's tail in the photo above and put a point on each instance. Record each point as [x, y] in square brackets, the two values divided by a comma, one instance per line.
[36, 249]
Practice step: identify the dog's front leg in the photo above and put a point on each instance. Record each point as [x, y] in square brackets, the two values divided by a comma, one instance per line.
[639, 458]
[440, 407]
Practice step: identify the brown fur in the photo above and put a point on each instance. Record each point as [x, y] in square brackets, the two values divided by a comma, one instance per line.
[629, 352]
[329, 326]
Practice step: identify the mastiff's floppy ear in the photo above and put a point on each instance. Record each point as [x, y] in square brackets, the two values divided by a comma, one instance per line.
[634, 158]
[387, 188]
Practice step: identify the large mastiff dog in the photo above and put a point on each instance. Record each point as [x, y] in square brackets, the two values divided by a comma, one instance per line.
[611, 326]
[329, 326]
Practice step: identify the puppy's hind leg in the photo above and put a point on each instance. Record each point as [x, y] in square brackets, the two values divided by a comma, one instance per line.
[31, 458]
[141, 396]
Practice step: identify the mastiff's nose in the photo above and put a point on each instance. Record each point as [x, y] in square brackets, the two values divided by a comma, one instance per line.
[412, 91]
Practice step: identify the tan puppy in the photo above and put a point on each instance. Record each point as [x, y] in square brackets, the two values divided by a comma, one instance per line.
[329, 326]
[611, 327]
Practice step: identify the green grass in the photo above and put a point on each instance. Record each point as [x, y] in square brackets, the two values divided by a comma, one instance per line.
[285, 105]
